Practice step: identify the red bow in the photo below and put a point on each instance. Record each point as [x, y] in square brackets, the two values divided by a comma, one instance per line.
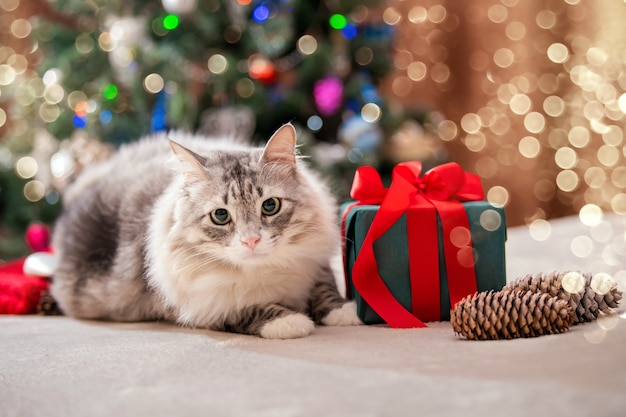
[438, 192]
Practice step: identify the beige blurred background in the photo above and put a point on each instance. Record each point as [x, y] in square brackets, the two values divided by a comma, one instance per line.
[532, 92]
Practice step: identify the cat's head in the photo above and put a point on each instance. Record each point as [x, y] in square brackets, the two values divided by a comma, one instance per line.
[251, 206]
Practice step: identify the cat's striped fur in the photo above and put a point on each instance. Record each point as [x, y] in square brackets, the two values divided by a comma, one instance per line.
[140, 238]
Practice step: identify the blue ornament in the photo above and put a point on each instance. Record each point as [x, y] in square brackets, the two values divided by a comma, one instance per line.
[105, 117]
[349, 31]
[353, 104]
[360, 135]
[261, 13]
[159, 112]
[369, 93]
[79, 121]
[378, 33]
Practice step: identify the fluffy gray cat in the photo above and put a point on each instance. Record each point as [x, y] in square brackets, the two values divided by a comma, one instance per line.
[221, 236]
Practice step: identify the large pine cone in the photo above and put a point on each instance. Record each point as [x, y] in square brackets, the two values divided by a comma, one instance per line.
[586, 303]
[509, 314]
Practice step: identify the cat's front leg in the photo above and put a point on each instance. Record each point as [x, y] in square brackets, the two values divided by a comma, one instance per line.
[328, 307]
[271, 321]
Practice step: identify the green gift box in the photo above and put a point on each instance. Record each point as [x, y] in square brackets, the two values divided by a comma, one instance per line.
[487, 226]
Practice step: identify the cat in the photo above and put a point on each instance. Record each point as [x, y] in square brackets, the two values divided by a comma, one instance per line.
[207, 233]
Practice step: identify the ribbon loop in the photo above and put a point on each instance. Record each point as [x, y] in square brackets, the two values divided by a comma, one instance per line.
[410, 171]
[444, 181]
[367, 187]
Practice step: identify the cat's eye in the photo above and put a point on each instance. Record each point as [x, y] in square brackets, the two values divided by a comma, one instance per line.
[220, 216]
[270, 206]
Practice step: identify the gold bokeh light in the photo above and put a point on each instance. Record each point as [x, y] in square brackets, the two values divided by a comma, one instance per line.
[541, 90]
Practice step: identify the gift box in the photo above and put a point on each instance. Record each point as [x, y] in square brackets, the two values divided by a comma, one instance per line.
[435, 241]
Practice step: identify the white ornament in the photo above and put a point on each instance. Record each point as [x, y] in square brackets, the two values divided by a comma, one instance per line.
[180, 7]
[41, 264]
[127, 35]
[127, 31]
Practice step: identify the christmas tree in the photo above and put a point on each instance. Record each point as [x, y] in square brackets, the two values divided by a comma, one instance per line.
[109, 72]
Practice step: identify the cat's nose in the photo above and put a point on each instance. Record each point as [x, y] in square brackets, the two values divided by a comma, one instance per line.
[250, 240]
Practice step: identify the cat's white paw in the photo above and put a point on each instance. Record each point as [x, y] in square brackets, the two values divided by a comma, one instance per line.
[343, 316]
[292, 326]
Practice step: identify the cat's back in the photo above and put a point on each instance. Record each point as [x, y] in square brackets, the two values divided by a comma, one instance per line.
[145, 166]
[129, 165]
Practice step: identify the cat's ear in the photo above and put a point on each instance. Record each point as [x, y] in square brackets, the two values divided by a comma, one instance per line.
[281, 148]
[191, 163]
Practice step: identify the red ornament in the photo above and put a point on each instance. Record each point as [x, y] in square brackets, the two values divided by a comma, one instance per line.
[263, 70]
[19, 293]
[38, 237]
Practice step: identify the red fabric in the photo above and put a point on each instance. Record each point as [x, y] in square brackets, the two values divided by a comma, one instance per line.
[19, 293]
[438, 192]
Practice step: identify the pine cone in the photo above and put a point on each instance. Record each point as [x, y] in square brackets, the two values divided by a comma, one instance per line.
[509, 314]
[587, 304]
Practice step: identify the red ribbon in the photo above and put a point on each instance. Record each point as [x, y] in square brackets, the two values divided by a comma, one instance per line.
[438, 192]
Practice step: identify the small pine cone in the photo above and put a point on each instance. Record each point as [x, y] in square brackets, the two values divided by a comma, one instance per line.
[509, 314]
[587, 304]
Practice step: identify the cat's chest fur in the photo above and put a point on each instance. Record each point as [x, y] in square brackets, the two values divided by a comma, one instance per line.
[207, 297]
